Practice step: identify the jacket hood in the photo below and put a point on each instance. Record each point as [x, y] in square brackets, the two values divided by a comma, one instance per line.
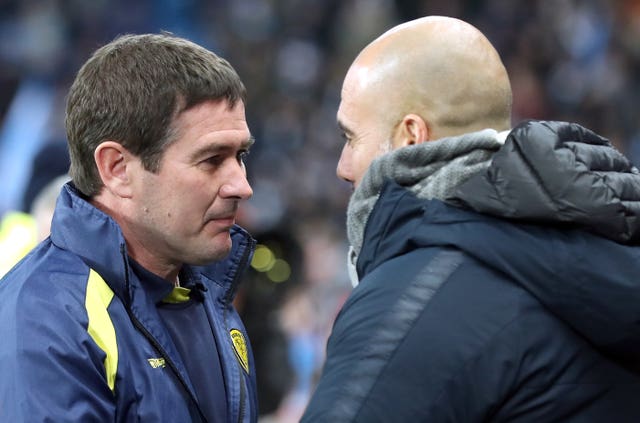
[550, 249]
[559, 173]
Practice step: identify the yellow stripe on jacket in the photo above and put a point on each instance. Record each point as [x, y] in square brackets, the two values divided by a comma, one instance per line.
[100, 327]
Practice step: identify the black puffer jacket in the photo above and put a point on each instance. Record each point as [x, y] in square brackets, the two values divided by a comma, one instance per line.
[564, 175]
[519, 313]
[558, 173]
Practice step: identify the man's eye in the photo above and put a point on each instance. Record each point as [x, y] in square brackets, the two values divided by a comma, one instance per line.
[214, 160]
[347, 138]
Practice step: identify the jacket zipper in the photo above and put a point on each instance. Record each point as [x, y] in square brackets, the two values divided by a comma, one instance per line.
[243, 263]
[138, 325]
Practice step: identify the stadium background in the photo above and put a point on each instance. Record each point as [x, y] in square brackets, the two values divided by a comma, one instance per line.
[567, 59]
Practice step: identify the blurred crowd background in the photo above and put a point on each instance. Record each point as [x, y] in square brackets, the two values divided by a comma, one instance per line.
[576, 60]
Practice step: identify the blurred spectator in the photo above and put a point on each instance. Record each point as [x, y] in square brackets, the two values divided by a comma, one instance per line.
[50, 162]
[18, 235]
[21, 228]
[21, 231]
[43, 205]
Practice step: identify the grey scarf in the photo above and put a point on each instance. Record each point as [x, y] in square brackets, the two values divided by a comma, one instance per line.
[429, 170]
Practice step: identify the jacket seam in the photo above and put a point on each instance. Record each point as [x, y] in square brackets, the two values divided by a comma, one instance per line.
[452, 266]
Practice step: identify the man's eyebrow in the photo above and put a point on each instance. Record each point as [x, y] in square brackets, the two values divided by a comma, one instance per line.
[217, 148]
[249, 142]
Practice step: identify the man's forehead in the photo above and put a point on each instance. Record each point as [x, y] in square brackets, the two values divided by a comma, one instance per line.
[358, 77]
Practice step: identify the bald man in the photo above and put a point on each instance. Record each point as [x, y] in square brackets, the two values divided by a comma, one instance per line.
[421, 81]
[494, 268]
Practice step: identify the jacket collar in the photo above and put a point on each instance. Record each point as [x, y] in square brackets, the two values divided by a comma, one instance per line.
[93, 235]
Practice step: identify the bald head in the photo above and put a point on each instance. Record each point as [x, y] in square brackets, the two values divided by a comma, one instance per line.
[420, 81]
[441, 68]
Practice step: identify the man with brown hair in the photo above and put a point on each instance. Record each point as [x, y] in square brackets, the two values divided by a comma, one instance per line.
[125, 313]
[493, 283]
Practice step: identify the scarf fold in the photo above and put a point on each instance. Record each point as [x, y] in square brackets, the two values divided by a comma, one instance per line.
[430, 170]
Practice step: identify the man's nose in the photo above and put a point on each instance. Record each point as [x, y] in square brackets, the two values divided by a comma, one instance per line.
[237, 185]
[343, 169]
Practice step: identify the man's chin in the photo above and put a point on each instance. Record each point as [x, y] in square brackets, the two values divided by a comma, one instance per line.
[221, 252]
[208, 259]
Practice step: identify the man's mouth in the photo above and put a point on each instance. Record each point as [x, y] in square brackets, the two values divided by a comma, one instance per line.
[226, 221]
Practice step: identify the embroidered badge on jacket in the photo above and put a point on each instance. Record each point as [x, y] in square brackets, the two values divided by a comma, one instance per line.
[240, 348]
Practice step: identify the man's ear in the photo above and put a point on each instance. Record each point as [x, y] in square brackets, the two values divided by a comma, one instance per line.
[412, 130]
[115, 164]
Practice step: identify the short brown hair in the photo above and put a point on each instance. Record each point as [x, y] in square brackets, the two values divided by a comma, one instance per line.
[131, 90]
